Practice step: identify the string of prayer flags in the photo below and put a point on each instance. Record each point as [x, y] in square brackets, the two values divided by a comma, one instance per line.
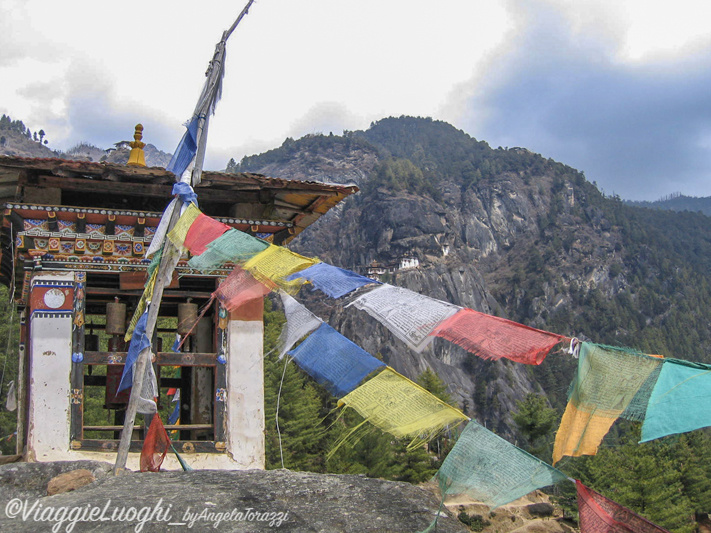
[233, 246]
[679, 401]
[607, 381]
[180, 230]
[333, 281]
[601, 515]
[299, 323]
[410, 316]
[334, 361]
[275, 263]
[491, 337]
[491, 470]
[396, 405]
[239, 288]
[202, 232]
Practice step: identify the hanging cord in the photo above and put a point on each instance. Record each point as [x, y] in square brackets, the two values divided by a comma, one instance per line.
[276, 416]
[7, 348]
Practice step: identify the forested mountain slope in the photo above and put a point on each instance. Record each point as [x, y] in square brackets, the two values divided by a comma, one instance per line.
[504, 231]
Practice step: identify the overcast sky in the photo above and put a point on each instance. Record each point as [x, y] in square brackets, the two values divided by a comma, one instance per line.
[618, 89]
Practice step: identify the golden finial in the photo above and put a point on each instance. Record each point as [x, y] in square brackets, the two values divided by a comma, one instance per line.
[137, 158]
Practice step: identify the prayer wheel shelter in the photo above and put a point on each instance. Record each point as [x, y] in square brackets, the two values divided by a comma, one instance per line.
[72, 254]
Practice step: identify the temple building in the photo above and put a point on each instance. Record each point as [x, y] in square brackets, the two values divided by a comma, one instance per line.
[73, 243]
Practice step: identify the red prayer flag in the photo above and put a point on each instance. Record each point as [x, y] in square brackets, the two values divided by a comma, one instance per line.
[202, 232]
[491, 337]
[155, 446]
[600, 515]
[239, 288]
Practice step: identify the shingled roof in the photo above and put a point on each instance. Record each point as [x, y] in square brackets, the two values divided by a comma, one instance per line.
[242, 195]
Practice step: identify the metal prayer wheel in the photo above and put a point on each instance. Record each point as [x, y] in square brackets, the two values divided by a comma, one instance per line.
[115, 318]
[187, 317]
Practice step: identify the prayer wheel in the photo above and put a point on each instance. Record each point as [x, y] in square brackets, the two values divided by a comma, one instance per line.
[115, 318]
[187, 317]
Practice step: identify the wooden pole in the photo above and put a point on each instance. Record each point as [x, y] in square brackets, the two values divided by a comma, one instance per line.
[168, 262]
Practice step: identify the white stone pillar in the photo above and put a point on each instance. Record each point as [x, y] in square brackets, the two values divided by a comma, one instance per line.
[245, 386]
[50, 363]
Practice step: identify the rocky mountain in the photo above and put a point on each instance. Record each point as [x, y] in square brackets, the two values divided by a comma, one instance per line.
[17, 140]
[506, 232]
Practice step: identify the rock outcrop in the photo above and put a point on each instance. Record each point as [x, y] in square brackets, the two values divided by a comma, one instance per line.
[214, 500]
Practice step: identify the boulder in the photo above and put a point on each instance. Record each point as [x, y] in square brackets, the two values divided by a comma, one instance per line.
[69, 481]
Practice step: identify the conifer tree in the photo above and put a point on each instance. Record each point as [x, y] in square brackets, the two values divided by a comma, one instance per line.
[643, 478]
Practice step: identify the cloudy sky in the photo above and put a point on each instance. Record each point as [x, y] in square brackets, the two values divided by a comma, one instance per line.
[618, 89]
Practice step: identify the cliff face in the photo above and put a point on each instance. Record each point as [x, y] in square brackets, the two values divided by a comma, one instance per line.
[504, 232]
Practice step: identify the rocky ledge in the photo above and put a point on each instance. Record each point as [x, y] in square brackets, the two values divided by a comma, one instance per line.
[245, 501]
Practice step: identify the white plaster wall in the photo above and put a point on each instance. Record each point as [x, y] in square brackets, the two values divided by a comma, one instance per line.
[245, 393]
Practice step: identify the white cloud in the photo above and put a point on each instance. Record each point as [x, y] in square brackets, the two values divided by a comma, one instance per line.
[87, 70]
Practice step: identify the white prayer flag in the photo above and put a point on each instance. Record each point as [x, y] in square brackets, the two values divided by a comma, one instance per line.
[410, 316]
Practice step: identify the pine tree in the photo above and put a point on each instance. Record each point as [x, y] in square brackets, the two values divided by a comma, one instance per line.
[535, 420]
[643, 478]
[303, 433]
[693, 454]
[431, 382]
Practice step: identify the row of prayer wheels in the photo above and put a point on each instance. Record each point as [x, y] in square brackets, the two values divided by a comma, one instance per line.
[116, 318]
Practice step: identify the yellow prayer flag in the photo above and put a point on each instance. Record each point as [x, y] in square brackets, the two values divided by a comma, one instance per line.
[275, 263]
[581, 432]
[180, 230]
[396, 405]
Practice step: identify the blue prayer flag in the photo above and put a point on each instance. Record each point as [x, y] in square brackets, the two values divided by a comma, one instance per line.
[187, 148]
[333, 281]
[679, 401]
[334, 361]
[139, 342]
[175, 415]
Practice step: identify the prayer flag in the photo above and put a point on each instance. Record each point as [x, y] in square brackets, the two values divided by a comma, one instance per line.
[145, 297]
[601, 515]
[155, 446]
[410, 316]
[139, 342]
[185, 152]
[679, 401]
[607, 381]
[396, 405]
[180, 230]
[11, 400]
[334, 361]
[239, 288]
[275, 263]
[491, 337]
[203, 231]
[232, 246]
[491, 470]
[333, 281]
[159, 235]
[299, 323]
[175, 414]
